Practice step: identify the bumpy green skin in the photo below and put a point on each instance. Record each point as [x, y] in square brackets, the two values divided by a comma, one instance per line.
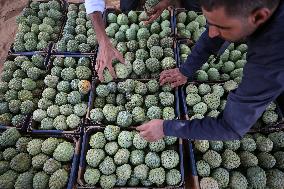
[275, 178]
[9, 137]
[266, 160]
[64, 152]
[166, 98]
[168, 113]
[111, 132]
[248, 144]
[222, 177]
[212, 158]
[108, 181]
[21, 162]
[40, 180]
[124, 119]
[168, 63]
[256, 177]
[192, 99]
[238, 180]
[97, 140]
[125, 139]
[51, 165]
[9, 153]
[139, 142]
[24, 180]
[200, 108]
[137, 157]
[230, 159]
[123, 172]
[277, 138]
[269, 117]
[110, 112]
[111, 148]
[212, 100]
[8, 179]
[94, 157]
[157, 176]
[248, 159]
[107, 166]
[121, 156]
[58, 179]
[203, 168]
[208, 183]
[264, 144]
[152, 160]
[49, 145]
[91, 176]
[232, 145]
[201, 145]
[39, 160]
[157, 146]
[141, 171]
[154, 112]
[138, 115]
[170, 159]
[97, 115]
[34, 146]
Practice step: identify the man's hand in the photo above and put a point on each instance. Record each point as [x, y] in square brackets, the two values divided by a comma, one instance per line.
[152, 131]
[157, 11]
[173, 76]
[104, 59]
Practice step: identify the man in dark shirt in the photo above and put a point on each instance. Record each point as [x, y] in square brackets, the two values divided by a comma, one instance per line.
[262, 23]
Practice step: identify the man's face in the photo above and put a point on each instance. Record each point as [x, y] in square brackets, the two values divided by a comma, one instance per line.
[229, 28]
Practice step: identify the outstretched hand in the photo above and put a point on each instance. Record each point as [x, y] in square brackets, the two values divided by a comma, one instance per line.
[173, 76]
[106, 54]
[152, 131]
[157, 11]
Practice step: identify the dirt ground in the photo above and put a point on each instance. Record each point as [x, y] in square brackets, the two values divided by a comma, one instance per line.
[9, 10]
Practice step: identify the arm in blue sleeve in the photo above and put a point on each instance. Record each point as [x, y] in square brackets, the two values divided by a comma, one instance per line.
[204, 47]
[244, 106]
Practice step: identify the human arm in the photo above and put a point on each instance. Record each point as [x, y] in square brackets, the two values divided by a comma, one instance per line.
[106, 51]
[204, 47]
[260, 86]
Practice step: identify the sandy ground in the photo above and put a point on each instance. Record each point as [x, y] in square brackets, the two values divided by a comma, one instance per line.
[9, 9]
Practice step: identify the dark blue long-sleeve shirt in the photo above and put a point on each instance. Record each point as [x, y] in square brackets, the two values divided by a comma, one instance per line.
[262, 82]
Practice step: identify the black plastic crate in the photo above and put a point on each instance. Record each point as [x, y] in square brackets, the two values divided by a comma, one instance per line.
[89, 122]
[85, 146]
[33, 125]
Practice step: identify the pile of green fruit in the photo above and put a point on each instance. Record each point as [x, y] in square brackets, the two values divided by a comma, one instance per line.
[39, 24]
[20, 88]
[147, 49]
[207, 99]
[210, 99]
[78, 32]
[65, 97]
[229, 66]
[256, 161]
[34, 163]
[190, 25]
[132, 102]
[123, 158]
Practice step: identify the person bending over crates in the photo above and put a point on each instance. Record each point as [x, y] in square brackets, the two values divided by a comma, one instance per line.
[107, 52]
[261, 23]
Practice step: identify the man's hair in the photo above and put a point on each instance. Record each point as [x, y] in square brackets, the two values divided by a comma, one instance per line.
[238, 7]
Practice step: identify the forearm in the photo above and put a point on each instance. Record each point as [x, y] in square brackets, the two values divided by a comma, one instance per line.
[99, 26]
[204, 47]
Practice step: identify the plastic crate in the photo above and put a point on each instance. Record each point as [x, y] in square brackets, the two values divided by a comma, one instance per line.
[89, 122]
[55, 51]
[33, 125]
[50, 43]
[267, 128]
[72, 168]
[85, 146]
[23, 126]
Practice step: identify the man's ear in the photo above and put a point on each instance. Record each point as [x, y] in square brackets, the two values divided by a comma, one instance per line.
[259, 16]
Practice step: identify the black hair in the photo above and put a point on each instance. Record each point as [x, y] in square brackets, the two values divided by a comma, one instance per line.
[238, 7]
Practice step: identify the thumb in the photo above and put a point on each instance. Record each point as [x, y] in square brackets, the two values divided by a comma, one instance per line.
[119, 56]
